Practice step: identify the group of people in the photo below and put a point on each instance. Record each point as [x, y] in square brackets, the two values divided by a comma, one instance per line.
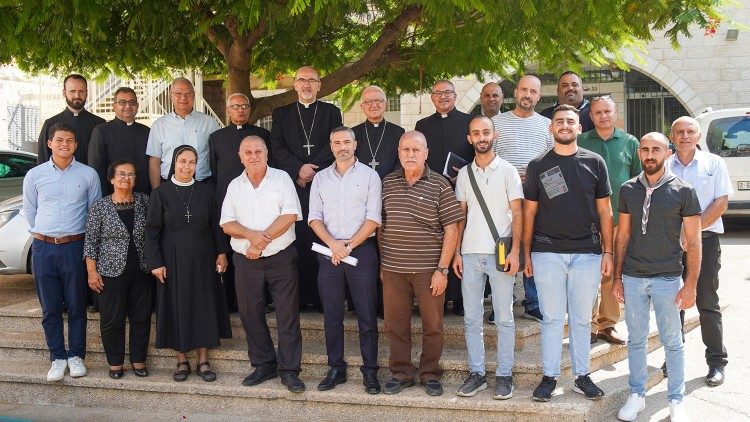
[223, 219]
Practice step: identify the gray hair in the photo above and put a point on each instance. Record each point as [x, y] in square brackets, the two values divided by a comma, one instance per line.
[345, 129]
[180, 79]
[238, 94]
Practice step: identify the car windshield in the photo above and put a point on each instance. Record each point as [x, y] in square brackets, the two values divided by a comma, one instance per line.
[730, 136]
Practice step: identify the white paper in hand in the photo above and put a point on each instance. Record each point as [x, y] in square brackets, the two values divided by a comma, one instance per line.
[325, 250]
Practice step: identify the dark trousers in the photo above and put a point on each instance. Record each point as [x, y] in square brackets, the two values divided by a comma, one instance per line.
[280, 272]
[707, 301]
[60, 278]
[307, 259]
[399, 291]
[362, 281]
[127, 295]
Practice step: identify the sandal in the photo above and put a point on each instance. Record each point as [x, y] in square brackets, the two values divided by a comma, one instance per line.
[182, 374]
[208, 375]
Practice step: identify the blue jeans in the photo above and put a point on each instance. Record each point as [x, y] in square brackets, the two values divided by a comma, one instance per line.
[660, 292]
[472, 288]
[566, 283]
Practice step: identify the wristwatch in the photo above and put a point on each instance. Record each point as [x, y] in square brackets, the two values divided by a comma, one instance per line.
[442, 270]
[348, 247]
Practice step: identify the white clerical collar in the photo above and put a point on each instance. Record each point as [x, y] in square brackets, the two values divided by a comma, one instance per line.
[376, 124]
[178, 183]
[130, 123]
[444, 115]
[239, 127]
[308, 104]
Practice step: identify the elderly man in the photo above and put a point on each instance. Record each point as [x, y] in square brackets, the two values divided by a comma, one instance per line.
[121, 137]
[445, 131]
[620, 152]
[259, 211]
[184, 125]
[57, 195]
[345, 211]
[299, 139]
[491, 195]
[378, 139]
[567, 236]
[570, 92]
[708, 174]
[654, 207]
[420, 213]
[524, 134]
[75, 92]
[225, 163]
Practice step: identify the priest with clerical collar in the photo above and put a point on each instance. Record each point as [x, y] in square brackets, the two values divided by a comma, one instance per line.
[446, 129]
[377, 139]
[75, 92]
[300, 145]
[121, 138]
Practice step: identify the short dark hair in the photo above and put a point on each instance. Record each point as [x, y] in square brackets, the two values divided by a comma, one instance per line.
[565, 107]
[125, 89]
[569, 72]
[75, 76]
[346, 129]
[61, 127]
[117, 163]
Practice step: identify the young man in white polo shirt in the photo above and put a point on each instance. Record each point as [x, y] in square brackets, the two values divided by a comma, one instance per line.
[500, 187]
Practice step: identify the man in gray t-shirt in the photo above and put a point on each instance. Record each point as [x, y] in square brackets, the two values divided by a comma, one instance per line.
[654, 206]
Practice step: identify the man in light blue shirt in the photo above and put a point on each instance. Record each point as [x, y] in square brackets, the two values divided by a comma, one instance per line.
[57, 195]
[183, 126]
[345, 211]
[709, 176]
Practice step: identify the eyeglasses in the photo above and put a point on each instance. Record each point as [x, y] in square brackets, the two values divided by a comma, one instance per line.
[183, 94]
[123, 175]
[377, 101]
[123, 103]
[239, 106]
[446, 93]
[309, 81]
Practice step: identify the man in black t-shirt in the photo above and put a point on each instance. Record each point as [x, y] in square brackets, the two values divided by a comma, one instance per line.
[567, 238]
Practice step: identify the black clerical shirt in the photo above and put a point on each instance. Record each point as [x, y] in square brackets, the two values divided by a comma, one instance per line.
[386, 151]
[444, 135]
[83, 124]
[115, 140]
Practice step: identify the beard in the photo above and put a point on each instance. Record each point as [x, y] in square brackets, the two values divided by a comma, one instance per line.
[565, 141]
[484, 148]
[651, 167]
[75, 104]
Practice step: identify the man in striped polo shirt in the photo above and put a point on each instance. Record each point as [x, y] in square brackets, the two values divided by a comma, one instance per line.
[418, 236]
[523, 134]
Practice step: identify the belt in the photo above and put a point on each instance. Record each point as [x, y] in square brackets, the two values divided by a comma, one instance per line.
[367, 241]
[58, 240]
[706, 234]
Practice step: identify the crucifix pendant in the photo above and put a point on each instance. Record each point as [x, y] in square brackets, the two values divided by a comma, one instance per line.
[373, 164]
[188, 215]
[308, 146]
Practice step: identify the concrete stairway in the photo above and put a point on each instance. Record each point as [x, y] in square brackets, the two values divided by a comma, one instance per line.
[24, 363]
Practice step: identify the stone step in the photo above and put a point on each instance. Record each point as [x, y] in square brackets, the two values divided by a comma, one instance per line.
[27, 315]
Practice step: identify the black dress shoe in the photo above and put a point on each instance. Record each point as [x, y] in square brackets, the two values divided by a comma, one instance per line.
[715, 376]
[261, 373]
[291, 380]
[208, 375]
[116, 374]
[371, 383]
[395, 385]
[182, 374]
[333, 378]
[142, 372]
[433, 388]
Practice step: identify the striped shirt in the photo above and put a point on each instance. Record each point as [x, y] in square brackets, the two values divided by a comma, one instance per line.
[413, 221]
[521, 138]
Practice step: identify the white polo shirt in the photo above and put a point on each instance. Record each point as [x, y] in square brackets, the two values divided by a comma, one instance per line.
[499, 184]
[709, 176]
[257, 208]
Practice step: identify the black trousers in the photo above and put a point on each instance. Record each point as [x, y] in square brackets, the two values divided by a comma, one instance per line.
[363, 286]
[127, 295]
[307, 259]
[280, 272]
[707, 301]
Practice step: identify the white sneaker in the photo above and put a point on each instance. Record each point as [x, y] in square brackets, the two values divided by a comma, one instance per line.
[630, 410]
[76, 367]
[677, 411]
[57, 370]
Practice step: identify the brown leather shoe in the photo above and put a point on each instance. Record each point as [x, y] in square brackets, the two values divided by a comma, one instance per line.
[610, 335]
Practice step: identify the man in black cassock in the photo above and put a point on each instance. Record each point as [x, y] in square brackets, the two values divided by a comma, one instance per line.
[300, 145]
[75, 91]
[224, 159]
[121, 137]
[377, 139]
[446, 132]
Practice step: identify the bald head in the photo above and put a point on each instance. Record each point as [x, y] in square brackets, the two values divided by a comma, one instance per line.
[686, 120]
[656, 137]
[528, 92]
[491, 99]
[308, 71]
[253, 140]
[253, 155]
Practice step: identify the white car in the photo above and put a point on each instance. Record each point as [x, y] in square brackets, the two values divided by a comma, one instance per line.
[13, 167]
[15, 247]
[726, 133]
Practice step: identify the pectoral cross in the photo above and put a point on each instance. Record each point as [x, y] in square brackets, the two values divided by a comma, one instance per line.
[188, 215]
[308, 146]
[373, 164]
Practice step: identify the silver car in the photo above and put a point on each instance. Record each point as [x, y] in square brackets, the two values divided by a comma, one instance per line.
[13, 167]
[15, 247]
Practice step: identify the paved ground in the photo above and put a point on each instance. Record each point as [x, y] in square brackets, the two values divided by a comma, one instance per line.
[725, 403]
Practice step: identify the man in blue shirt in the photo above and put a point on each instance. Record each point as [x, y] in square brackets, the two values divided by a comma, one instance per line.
[57, 195]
